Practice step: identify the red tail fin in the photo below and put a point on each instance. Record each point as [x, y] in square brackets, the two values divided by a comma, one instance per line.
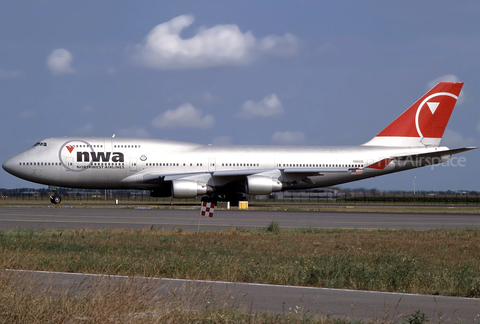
[425, 121]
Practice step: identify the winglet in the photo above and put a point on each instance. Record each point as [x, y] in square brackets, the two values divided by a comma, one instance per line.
[425, 121]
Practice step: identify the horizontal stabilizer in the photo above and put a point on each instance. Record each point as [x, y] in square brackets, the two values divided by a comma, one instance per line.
[434, 154]
[422, 158]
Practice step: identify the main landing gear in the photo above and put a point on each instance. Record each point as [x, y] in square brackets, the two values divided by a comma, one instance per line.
[232, 197]
[55, 196]
[212, 199]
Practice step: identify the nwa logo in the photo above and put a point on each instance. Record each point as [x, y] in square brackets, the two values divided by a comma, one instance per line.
[100, 157]
[79, 155]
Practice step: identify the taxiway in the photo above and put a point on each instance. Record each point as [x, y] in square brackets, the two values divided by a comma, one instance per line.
[143, 217]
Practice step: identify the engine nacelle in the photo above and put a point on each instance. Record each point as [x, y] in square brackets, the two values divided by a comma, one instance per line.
[189, 189]
[258, 185]
[164, 191]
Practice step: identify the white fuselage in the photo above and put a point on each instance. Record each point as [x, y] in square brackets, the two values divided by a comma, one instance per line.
[130, 163]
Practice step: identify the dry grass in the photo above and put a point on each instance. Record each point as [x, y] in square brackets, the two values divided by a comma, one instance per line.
[441, 262]
[24, 300]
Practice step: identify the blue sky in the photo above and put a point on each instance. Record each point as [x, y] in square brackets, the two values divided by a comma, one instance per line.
[250, 73]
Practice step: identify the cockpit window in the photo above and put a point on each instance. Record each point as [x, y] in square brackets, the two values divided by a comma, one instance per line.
[40, 144]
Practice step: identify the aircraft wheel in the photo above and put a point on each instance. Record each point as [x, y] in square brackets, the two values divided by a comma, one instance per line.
[55, 199]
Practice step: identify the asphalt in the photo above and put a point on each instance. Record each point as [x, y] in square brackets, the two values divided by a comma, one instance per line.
[142, 217]
[253, 297]
[336, 303]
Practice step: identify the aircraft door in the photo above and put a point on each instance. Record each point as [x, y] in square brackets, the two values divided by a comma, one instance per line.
[133, 164]
[278, 163]
[69, 161]
[108, 145]
[211, 165]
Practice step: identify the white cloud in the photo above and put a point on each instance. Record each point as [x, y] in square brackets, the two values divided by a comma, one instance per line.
[279, 45]
[132, 132]
[28, 114]
[59, 62]
[267, 107]
[220, 45]
[4, 74]
[448, 78]
[184, 116]
[454, 139]
[222, 140]
[289, 137]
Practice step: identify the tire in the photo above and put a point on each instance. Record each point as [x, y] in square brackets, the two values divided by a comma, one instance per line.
[55, 199]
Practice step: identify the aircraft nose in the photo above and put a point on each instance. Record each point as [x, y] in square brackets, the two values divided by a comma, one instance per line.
[10, 165]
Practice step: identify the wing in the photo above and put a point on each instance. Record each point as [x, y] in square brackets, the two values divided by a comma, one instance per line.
[151, 178]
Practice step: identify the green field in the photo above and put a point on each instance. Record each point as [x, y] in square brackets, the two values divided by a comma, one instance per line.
[443, 262]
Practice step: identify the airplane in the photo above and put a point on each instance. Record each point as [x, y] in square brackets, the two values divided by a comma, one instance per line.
[187, 170]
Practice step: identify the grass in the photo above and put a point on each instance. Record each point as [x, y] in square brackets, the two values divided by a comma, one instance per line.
[365, 208]
[439, 262]
[273, 227]
[22, 300]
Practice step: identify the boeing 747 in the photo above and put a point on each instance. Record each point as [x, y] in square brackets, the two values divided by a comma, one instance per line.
[187, 170]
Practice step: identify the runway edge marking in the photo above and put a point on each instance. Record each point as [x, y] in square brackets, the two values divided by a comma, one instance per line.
[231, 283]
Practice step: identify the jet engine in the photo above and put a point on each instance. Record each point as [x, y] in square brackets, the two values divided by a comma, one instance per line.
[258, 185]
[164, 191]
[189, 189]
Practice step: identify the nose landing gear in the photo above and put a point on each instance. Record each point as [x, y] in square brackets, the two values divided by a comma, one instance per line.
[55, 197]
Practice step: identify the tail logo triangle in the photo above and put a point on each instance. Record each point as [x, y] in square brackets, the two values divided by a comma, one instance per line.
[433, 106]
